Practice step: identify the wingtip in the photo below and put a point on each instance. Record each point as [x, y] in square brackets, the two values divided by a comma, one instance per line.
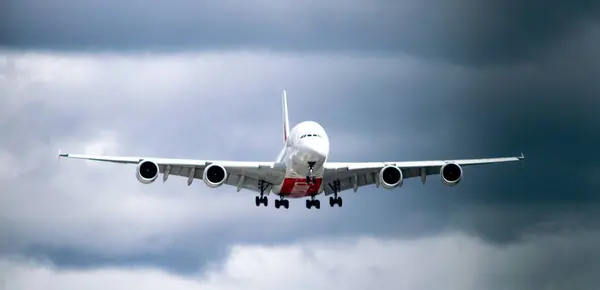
[60, 154]
[521, 157]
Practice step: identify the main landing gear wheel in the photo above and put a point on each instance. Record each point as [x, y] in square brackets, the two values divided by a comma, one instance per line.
[335, 199]
[313, 202]
[282, 202]
[261, 199]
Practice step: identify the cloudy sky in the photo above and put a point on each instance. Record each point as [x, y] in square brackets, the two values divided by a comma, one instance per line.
[389, 80]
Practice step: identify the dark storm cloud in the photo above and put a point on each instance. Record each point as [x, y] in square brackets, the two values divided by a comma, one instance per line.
[547, 109]
[543, 106]
[466, 31]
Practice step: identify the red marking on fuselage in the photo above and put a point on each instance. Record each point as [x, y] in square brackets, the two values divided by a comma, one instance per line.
[297, 187]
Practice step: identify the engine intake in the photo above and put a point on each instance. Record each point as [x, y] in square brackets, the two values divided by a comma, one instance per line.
[214, 175]
[390, 177]
[147, 171]
[451, 174]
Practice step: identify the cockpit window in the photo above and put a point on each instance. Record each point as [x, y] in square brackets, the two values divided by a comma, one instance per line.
[310, 135]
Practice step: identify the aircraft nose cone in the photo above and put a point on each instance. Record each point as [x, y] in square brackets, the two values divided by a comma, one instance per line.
[321, 150]
[318, 149]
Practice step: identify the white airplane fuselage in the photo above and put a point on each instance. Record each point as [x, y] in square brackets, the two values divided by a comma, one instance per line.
[307, 142]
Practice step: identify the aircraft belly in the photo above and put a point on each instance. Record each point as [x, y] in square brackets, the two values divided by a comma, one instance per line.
[294, 184]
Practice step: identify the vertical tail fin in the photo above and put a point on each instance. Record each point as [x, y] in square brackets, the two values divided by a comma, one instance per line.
[286, 122]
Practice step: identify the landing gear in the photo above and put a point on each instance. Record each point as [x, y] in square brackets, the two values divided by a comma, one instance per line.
[313, 202]
[310, 178]
[261, 199]
[335, 199]
[282, 202]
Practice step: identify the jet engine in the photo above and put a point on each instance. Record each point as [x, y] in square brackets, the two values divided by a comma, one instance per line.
[214, 175]
[147, 172]
[390, 177]
[451, 174]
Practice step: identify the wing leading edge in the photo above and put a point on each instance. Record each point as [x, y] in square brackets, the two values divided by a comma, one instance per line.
[358, 174]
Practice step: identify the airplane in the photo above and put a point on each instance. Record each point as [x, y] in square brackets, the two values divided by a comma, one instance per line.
[301, 169]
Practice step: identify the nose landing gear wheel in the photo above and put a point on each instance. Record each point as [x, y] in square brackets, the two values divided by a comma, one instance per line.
[310, 177]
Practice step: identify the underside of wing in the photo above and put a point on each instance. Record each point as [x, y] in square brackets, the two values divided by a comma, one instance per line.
[242, 175]
[241, 178]
[343, 176]
[354, 177]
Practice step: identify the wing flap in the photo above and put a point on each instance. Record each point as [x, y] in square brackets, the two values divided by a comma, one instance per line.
[347, 182]
[183, 171]
[248, 183]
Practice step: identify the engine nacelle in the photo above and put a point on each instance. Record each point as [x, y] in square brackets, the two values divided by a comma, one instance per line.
[451, 174]
[147, 171]
[214, 175]
[390, 177]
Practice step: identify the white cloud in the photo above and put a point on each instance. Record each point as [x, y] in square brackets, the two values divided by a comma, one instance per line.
[166, 105]
[450, 261]
[209, 106]
[101, 208]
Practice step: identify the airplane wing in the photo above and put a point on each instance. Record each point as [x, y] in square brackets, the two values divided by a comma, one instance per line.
[357, 174]
[240, 174]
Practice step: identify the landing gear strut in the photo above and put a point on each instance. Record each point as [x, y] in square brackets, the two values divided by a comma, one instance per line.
[282, 202]
[262, 199]
[310, 177]
[335, 199]
[313, 202]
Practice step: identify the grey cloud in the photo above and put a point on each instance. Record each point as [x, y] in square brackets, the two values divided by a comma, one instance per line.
[467, 32]
[416, 109]
[173, 107]
[448, 261]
